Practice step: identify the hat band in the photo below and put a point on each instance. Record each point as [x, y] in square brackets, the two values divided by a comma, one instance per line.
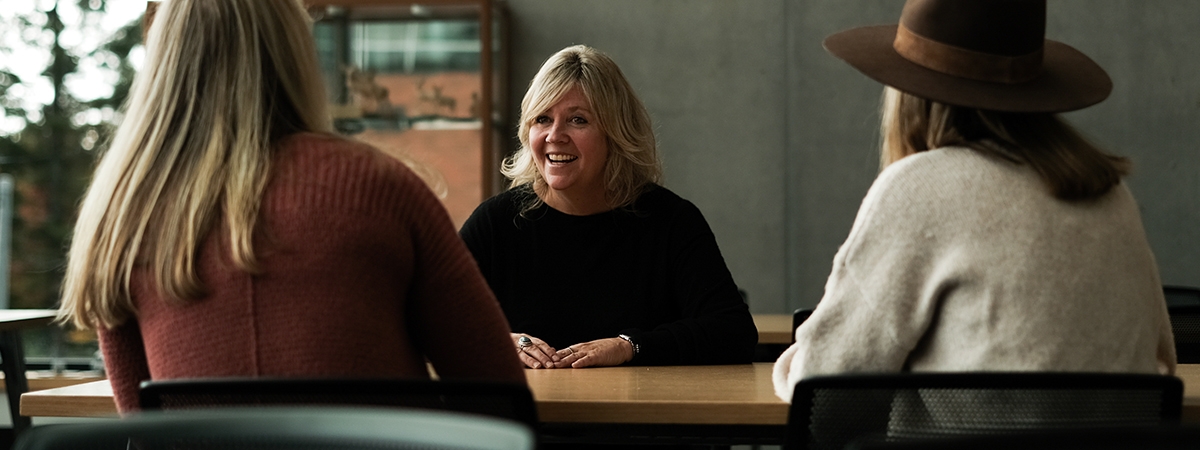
[961, 62]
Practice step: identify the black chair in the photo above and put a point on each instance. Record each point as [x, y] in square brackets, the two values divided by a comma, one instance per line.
[830, 412]
[508, 401]
[1183, 307]
[1181, 295]
[1133, 438]
[285, 428]
[798, 318]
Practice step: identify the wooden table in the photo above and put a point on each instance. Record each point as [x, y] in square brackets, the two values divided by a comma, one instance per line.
[12, 356]
[718, 405]
[713, 398]
[737, 394]
[774, 328]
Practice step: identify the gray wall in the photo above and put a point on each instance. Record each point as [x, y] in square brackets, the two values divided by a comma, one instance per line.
[776, 141]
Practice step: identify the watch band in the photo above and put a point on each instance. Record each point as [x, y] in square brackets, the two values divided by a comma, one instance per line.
[629, 339]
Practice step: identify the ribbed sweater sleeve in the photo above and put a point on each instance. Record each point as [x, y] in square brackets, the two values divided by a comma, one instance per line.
[455, 318]
[124, 362]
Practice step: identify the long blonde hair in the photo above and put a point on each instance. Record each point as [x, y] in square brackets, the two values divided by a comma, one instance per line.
[633, 157]
[225, 81]
[1071, 167]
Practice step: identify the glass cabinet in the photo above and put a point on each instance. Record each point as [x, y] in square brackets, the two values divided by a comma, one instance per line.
[423, 81]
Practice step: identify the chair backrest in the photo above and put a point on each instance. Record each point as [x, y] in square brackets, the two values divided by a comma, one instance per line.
[1181, 295]
[798, 318]
[504, 400]
[285, 428]
[829, 412]
[1185, 326]
[1183, 307]
[1125, 438]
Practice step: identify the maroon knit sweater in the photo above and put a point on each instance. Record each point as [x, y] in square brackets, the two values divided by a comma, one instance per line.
[362, 275]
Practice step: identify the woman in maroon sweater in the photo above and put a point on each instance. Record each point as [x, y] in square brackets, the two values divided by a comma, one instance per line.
[227, 232]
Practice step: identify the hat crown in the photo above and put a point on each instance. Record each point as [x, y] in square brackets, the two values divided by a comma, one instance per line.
[985, 54]
[999, 27]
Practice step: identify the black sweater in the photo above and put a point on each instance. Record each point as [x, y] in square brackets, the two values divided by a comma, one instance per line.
[652, 271]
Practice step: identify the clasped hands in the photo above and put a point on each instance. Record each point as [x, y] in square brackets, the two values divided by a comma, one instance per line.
[537, 354]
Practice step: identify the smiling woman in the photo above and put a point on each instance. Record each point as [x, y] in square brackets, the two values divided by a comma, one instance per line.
[593, 262]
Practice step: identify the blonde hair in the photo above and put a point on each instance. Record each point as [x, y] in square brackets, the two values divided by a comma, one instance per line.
[1071, 167]
[633, 157]
[226, 80]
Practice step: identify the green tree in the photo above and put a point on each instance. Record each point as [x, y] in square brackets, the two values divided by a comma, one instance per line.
[52, 156]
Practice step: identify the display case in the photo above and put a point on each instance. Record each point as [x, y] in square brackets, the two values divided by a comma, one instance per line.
[423, 81]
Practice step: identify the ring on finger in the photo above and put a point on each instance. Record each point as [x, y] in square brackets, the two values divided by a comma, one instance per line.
[524, 342]
[572, 349]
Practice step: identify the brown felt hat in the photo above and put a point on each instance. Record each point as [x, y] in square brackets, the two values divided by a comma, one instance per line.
[985, 54]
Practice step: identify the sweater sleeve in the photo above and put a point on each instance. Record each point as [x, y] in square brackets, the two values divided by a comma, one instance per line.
[879, 298]
[716, 326]
[124, 363]
[456, 321]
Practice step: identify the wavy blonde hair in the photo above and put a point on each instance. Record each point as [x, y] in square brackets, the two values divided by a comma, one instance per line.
[226, 80]
[1071, 167]
[633, 162]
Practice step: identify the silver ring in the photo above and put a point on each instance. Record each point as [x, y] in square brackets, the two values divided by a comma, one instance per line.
[524, 341]
[572, 349]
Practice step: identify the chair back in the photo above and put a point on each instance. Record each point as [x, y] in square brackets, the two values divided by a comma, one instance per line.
[798, 318]
[504, 400]
[1181, 295]
[285, 428]
[1125, 438]
[829, 412]
[1183, 307]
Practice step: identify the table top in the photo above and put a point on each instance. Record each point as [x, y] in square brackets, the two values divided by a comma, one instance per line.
[19, 319]
[734, 394]
[774, 328]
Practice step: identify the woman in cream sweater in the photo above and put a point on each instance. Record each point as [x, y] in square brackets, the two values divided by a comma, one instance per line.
[996, 238]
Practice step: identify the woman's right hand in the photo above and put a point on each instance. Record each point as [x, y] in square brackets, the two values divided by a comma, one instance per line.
[534, 352]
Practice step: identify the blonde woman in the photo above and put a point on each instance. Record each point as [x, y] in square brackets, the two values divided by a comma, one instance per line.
[593, 262]
[227, 232]
[996, 238]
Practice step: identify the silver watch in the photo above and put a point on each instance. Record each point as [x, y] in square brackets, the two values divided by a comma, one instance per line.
[630, 341]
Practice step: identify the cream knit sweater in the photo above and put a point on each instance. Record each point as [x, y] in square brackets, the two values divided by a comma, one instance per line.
[959, 261]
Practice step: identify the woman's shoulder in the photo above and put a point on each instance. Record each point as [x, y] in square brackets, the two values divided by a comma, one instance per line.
[950, 173]
[659, 204]
[658, 198]
[329, 148]
[332, 153]
[329, 168]
[507, 203]
[942, 163]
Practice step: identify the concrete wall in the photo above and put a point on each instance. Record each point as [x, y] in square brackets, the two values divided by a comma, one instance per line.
[776, 141]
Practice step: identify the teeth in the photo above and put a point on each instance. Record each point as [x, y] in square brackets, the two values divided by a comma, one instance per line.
[561, 158]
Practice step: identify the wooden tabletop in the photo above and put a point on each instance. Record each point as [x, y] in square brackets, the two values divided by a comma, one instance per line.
[736, 394]
[774, 328]
[19, 319]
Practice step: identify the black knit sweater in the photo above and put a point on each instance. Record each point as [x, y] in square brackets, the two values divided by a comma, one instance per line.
[652, 271]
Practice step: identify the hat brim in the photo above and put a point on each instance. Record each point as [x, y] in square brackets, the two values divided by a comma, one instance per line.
[1069, 79]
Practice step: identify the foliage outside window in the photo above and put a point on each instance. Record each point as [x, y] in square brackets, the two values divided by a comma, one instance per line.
[52, 126]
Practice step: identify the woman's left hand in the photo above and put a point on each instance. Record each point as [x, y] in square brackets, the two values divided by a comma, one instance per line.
[597, 353]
